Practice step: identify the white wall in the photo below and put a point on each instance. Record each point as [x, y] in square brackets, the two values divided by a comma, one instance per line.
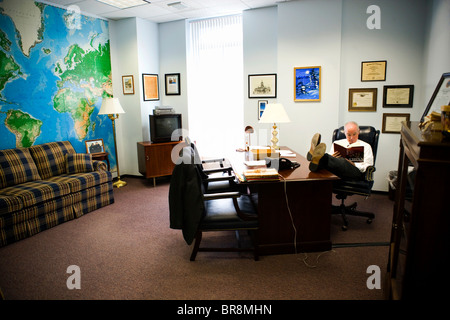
[400, 42]
[134, 50]
[172, 53]
[437, 46]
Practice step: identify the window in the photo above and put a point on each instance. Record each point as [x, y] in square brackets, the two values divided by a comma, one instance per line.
[215, 84]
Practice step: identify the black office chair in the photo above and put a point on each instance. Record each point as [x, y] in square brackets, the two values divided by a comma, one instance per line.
[345, 188]
[218, 178]
[196, 212]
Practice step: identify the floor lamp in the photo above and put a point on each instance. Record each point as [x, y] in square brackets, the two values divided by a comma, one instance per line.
[274, 113]
[112, 107]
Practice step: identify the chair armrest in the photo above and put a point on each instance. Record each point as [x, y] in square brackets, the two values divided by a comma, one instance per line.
[220, 160]
[220, 178]
[221, 195]
[222, 169]
[368, 175]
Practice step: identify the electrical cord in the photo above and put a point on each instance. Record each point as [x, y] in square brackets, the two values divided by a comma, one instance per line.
[290, 213]
[305, 258]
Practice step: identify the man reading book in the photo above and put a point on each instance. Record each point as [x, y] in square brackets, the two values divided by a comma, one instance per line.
[334, 161]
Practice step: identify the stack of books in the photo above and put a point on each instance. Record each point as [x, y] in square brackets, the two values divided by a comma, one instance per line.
[263, 174]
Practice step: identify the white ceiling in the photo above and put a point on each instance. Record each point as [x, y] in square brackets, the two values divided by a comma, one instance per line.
[158, 10]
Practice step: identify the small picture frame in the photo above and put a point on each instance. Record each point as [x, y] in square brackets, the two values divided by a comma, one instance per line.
[398, 96]
[261, 107]
[363, 99]
[373, 70]
[150, 83]
[262, 85]
[307, 82]
[172, 84]
[392, 122]
[128, 84]
[95, 146]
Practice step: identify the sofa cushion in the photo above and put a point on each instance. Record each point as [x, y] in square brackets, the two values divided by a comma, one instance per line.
[9, 204]
[17, 166]
[35, 192]
[82, 181]
[50, 157]
[78, 163]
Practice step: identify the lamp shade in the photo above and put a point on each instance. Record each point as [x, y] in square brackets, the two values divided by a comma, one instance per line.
[111, 106]
[274, 113]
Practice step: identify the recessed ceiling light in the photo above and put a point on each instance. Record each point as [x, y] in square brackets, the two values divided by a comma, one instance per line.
[178, 5]
[123, 4]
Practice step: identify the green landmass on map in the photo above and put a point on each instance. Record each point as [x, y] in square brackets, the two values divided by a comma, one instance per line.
[23, 126]
[90, 72]
[8, 70]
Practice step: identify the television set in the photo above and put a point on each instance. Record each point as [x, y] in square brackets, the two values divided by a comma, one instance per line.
[163, 125]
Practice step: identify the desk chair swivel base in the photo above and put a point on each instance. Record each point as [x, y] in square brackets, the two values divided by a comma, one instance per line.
[350, 210]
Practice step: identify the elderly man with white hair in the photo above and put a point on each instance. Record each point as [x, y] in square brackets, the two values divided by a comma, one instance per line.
[334, 162]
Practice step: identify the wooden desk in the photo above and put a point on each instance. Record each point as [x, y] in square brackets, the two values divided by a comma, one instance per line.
[309, 195]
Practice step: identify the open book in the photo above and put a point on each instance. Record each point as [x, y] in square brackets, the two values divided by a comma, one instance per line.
[354, 154]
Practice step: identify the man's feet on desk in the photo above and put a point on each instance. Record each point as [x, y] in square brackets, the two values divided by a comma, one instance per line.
[317, 154]
[314, 142]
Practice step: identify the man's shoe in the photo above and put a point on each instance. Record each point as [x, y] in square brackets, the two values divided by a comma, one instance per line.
[314, 142]
[318, 153]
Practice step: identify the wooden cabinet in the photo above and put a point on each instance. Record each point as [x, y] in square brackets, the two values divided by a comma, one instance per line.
[155, 159]
[420, 239]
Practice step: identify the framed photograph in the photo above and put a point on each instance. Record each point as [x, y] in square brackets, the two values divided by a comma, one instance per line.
[173, 84]
[95, 146]
[261, 107]
[440, 97]
[128, 84]
[364, 99]
[307, 84]
[262, 85]
[373, 70]
[398, 96]
[392, 122]
[151, 88]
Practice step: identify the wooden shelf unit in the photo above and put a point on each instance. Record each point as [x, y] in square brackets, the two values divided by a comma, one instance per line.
[420, 238]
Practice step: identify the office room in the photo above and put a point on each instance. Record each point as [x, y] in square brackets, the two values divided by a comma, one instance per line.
[93, 75]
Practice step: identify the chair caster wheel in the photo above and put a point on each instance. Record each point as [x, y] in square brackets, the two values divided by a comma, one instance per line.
[344, 228]
[369, 221]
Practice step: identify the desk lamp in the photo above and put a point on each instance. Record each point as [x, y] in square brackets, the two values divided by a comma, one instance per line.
[112, 107]
[274, 113]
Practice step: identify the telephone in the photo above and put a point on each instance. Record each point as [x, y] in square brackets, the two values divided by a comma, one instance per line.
[281, 164]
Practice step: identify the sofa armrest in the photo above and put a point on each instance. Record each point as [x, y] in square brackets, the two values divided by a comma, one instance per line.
[99, 165]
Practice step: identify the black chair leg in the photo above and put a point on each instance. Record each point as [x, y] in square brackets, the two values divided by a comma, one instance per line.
[198, 239]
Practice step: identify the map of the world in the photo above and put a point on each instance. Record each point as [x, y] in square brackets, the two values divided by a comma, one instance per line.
[55, 68]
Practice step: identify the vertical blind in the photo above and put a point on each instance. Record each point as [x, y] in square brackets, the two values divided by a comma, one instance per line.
[215, 84]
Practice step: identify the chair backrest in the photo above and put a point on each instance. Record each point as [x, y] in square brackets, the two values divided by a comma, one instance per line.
[367, 134]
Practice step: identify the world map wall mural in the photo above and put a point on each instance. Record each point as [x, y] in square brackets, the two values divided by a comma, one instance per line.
[55, 69]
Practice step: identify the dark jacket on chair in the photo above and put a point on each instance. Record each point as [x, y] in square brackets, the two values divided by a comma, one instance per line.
[185, 200]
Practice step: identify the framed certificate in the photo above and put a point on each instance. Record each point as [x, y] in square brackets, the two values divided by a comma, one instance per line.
[362, 99]
[392, 122]
[373, 70]
[398, 96]
[151, 88]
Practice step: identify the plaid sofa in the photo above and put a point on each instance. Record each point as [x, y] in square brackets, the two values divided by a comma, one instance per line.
[46, 185]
